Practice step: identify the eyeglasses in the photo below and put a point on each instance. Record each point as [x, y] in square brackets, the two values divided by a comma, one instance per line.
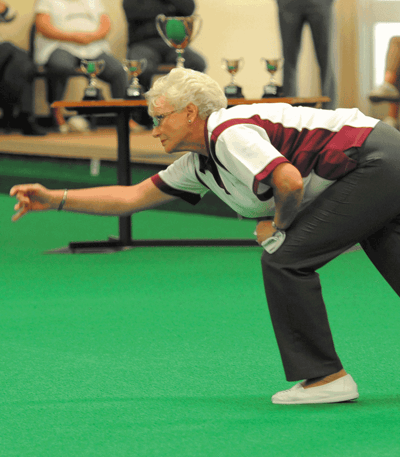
[157, 120]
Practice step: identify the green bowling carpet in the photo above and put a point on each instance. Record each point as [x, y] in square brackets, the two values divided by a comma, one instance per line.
[170, 352]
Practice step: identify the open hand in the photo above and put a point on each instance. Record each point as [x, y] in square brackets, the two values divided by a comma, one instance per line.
[31, 197]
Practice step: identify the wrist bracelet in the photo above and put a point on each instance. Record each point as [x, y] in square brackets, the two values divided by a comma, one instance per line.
[64, 199]
[274, 226]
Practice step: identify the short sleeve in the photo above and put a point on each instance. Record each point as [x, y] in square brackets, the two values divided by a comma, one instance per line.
[181, 179]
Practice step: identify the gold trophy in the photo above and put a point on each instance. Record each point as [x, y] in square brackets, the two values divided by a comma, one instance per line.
[233, 66]
[92, 68]
[178, 32]
[272, 89]
[134, 68]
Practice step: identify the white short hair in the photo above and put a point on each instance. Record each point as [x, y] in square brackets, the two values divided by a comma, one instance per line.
[182, 86]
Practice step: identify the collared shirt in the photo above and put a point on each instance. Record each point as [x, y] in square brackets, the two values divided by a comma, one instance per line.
[247, 142]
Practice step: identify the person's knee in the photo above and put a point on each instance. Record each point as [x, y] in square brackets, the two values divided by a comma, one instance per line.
[61, 64]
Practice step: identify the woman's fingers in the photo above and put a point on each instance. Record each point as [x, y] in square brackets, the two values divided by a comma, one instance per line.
[19, 214]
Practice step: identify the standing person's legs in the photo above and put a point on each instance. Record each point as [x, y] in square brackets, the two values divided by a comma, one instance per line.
[352, 210]
[392, 76]
[291, 21]
[392, 70]
[320, 16]
[389, 89]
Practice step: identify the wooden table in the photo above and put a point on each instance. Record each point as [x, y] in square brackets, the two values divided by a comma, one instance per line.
[122, 109]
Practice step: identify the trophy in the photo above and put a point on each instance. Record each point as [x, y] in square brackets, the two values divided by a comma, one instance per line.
[134, 68]
[92, 68]
[272, 89]
[233, 66]
[178, 32]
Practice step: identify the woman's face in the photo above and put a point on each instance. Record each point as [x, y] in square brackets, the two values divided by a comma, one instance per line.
[171, 126]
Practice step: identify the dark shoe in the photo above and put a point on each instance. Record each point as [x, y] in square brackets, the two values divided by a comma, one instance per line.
[31, 129]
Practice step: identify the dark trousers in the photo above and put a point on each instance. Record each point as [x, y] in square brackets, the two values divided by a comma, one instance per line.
[16, 75]
[62, 64]
[364, 207]
[293, 14]
[156, 52]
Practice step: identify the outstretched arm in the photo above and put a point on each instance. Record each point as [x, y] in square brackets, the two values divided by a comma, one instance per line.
[103, 201]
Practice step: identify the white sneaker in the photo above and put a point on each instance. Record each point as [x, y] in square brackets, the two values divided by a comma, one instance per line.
[342, 389]
[78, 124]
[63, 128]
[385, 93]
[389, 120]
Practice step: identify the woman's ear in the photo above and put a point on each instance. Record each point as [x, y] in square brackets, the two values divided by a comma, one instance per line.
[192, 112]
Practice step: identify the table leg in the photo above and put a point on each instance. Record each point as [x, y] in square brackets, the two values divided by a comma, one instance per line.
[124, 172]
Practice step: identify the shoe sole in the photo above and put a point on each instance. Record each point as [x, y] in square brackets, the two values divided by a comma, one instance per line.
[343, 398]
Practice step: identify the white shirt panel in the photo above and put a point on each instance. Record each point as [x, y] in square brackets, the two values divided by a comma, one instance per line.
[70, 16]
[245, 150]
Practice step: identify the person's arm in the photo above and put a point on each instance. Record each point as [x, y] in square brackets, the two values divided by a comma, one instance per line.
[287, 185]
[103, 29]
[45, 27]
[103, 201]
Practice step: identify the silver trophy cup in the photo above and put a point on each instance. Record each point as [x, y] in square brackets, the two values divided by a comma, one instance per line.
[232, 66]
[134, 68]
[272, 89]
[178, 32]
[92, 68]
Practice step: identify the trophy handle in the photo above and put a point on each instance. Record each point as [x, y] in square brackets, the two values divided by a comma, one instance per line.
[161, 18]
[200, 22]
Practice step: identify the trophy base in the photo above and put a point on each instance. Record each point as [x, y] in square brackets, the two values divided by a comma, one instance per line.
[134, 93]
[93, 93]
[233, 92]
[271, 91]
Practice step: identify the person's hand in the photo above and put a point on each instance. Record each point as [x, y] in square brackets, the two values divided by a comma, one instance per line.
[264, 230]
[31, 197]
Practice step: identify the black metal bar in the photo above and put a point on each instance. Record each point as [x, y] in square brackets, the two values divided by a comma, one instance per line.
[115, 245]
[124, 170]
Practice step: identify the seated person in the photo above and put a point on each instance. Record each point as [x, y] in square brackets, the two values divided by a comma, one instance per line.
[16, 83]
[68, 32]
[144, 42]
[389, 90]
